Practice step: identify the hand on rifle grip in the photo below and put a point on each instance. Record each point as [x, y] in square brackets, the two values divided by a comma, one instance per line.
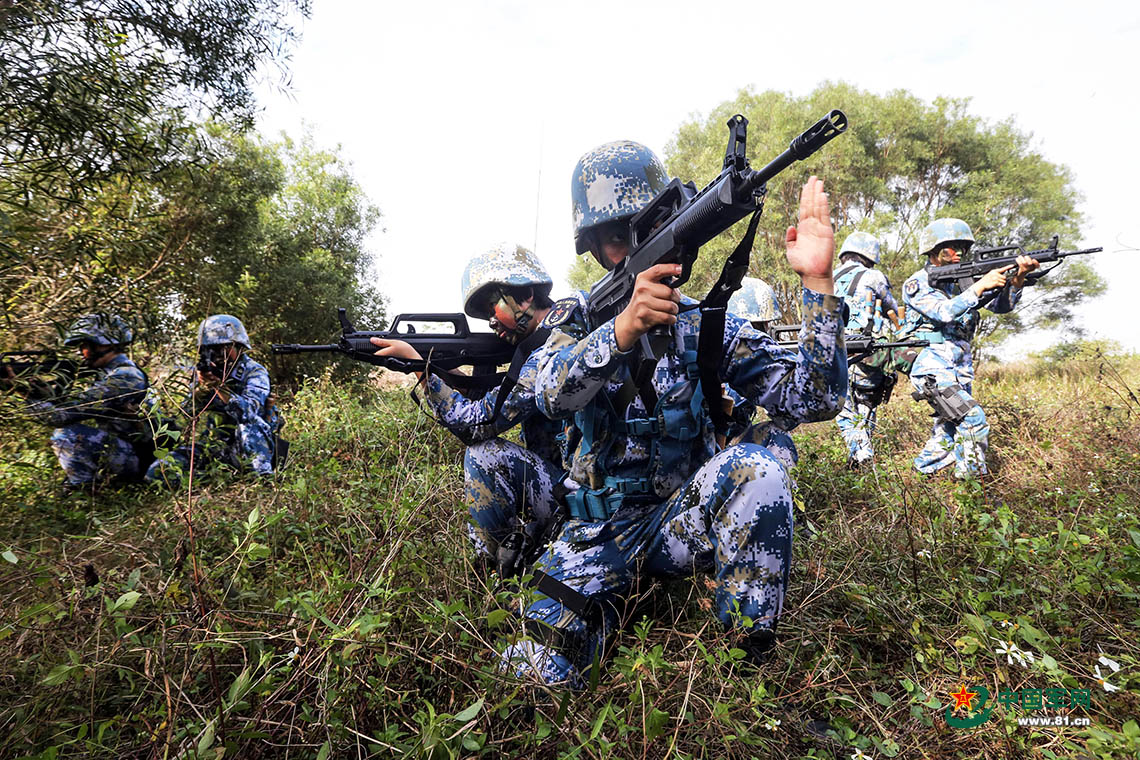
[654, 303]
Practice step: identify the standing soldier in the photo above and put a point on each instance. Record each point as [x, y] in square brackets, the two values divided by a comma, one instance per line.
[228, 404]
[510, 488]
[650, 491]
[868, 295]
[96, 430]
[948, 318]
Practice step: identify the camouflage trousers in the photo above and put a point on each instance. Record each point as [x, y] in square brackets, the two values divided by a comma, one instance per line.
[246, 445]
[774, 438]
[857, 420]
[963, 445]
[732, 518]
[502, 479]
[87, 454]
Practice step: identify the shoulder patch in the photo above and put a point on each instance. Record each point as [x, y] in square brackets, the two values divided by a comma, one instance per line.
[911, 287]
[560, 312]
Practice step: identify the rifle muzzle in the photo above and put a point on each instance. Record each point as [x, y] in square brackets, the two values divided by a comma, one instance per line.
[819, 134]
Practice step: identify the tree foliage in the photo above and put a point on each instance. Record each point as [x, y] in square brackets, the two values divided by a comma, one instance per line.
[94, 91]
[902, 163]
[273, 232]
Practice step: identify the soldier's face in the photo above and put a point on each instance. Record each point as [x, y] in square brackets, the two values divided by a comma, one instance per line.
[613, 239]
[950, 255]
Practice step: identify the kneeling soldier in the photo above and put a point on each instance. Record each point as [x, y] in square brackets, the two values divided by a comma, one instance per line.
[228, 407]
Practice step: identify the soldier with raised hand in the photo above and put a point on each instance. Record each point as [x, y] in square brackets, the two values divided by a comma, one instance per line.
[869, 299]
[96, 428]
[228, 407]
[948, 319]
[651, 494]
[510, 488]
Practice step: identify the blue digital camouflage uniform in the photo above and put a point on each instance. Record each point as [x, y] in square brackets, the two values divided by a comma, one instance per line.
[239, 432]
[686, 506]
[948, 319]
[102, 448]
[502, 478]
[857, 420]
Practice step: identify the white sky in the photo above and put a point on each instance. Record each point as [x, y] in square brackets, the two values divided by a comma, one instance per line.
[464, 120]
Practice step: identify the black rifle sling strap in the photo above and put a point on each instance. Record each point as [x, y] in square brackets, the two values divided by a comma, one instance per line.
[710, 341]
[528, 346]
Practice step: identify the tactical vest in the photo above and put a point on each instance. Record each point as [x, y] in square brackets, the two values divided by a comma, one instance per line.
[847, 281]
[674, 425]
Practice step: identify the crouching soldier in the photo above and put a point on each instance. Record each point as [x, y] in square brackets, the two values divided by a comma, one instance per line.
[651, 494]
[97, 429]
[510, 488]
[228, 408]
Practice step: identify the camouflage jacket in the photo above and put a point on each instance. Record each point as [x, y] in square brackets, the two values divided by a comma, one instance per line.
[872, 286]
[112, 402]
[470, 419]
[793, 386]
[248, 386]
[946, 315]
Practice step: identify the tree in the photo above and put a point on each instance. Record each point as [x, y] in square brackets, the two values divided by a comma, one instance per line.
[273, 232]
[94, 91]
[901, 163]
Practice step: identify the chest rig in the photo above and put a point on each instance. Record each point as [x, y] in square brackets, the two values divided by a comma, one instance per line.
[672, 426]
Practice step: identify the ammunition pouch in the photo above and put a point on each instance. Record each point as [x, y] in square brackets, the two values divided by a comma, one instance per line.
[950, 403]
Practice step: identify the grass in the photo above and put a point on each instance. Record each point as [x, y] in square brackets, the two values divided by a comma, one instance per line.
[337, 613]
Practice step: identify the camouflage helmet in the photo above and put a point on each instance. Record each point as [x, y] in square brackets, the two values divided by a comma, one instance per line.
[613, 181]
[755, 301]
[864, 244]
[100, 329]
[506, 265]
[219, 329]
[942, 231]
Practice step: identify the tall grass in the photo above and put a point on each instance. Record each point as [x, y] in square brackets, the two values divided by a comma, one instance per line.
[340, 613]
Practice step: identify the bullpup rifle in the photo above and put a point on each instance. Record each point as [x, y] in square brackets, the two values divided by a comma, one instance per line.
[858, 346]
[680, 219]
[443, 352]
[983, 260]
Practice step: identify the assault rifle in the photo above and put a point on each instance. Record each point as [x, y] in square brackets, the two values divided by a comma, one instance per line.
[858, 347]
[676, 223]
[442, 351]
[37, 373]
[983, 260]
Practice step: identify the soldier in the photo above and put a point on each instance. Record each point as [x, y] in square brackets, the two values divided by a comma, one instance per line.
[97, 429]
[756, 301]
[229, 404]
[509, 287]
[650, 492]
[868, 296]
[948, 319]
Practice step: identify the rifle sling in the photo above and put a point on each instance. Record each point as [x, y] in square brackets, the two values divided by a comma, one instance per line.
[522, 354]
[710, 339]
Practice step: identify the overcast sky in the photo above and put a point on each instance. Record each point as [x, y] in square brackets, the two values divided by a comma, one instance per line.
[463, 120]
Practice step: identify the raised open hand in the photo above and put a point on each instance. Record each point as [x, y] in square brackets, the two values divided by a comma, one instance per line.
[811, 243]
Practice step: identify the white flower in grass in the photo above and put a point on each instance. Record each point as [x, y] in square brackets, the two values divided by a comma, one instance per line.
[1013, 652]
[1109, 663]
[1104, 684]
[772, 725]
[922, 554]
[1004, 624]
[860, 755]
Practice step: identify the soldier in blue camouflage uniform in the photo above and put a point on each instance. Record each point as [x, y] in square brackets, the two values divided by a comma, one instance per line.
[509, 287]
[869, 299]
[948, 319]
[228, 409]
[756, 302]
[96, 429]
[651, 493]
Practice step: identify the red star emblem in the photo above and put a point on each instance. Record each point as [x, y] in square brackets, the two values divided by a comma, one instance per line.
[963, 698]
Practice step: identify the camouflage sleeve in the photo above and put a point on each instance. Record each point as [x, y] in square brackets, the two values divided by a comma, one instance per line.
[573, 365]
[794, 386]
[247, 401]
[882, 289]
[470, 419]
[1006, 299]
[936, 305]
[107, 397]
